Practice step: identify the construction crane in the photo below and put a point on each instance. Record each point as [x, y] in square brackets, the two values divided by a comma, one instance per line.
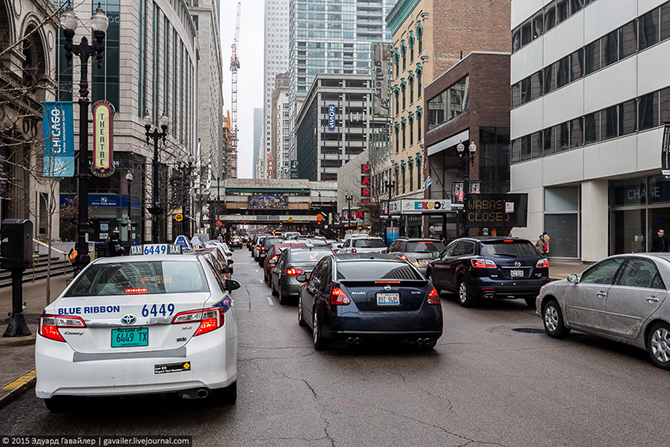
[234, 65]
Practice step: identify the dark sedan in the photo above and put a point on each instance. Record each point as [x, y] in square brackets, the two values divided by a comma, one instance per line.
[294, 262]
[354, 297]
[490, 267]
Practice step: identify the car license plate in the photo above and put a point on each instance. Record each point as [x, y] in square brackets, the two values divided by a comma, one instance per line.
[129, 337]
[388, 299]
[516, 273]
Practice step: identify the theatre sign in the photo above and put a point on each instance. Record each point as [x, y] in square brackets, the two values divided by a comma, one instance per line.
[420, 207]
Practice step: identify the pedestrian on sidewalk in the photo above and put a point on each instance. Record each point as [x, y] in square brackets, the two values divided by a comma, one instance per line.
[115, 248]
[542, 244]
[658, 242]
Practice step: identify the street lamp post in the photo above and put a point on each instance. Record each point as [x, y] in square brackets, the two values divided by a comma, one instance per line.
[99, 23]
[348, 198]
[467, 159]
[155, 135]
[390, 184]
[129, 179]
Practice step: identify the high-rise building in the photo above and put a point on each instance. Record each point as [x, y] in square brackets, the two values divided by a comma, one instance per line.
[328, 36]
[258, 133]
[590, 96]
[280, 127]
[275, 61]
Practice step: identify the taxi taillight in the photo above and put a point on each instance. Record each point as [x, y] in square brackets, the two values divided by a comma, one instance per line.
[209, 319]
[49, 324]
[137, 290]
[433, 297]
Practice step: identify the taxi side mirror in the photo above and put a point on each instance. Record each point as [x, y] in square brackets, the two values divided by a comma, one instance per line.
[230, 262]
[231, 284]
[573, 279]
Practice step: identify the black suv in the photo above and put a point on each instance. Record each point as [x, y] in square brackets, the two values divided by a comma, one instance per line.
[490, 267]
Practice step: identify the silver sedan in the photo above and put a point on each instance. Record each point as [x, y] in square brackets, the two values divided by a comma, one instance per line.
[622, 298]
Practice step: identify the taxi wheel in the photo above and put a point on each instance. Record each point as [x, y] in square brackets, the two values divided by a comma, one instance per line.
[227, 395]
[658, 345]
[553, 320]
[301, 319]
[464, 296]
[58, 404]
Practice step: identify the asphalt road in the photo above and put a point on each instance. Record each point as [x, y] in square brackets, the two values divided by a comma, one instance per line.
[483, 384]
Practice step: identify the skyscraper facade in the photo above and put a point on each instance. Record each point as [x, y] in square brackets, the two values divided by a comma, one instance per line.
[329, 36]
[275, 61]
[258, 133]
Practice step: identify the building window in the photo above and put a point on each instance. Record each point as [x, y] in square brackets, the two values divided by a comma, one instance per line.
[397, 138]
[648, 24]
[411, 89]
[648, 111]
[404, 125]
[449, 104]
[418, 126]
[411, 130]
[142, 49]
[418, 83]
[402, 87]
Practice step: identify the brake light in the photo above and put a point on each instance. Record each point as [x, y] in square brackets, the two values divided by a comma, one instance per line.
[353, 250]
[387, 282]
[433, 297]
[294, 272]
[263, 248]
[49, 324]
[508, 241]
[210, 319]
[134, 291]
[542, 263]
[338, 297]
[483, 264]
[403, 257]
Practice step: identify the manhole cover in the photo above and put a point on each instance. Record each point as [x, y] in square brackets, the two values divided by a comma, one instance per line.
[30, 319]
[528, 330]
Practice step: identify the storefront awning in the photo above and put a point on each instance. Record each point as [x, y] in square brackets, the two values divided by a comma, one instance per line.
[436, 206]
[449, 142]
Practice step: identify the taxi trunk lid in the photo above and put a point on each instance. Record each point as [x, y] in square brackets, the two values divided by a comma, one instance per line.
[130, 323]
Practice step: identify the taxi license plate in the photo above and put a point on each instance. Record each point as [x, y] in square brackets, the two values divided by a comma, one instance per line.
[388, 299]
[130, 337]
[516, 273]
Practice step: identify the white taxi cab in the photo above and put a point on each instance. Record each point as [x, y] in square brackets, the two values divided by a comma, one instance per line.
[158, 323]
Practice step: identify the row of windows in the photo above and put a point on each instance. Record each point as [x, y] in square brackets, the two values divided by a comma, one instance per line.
[401, 129]
[402, 88]
[449, 104]
[637, 35]
[638, 114]
[402, 50]
[551, 15]
[400, 171]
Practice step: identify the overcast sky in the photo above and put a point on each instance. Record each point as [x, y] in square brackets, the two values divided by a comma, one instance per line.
[249, 75]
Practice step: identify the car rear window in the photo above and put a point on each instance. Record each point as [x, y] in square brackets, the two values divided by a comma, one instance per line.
[272, 240]
[151, 277]
[361, 270]
[514, 249]
[369, 243]
[309, 255]
[424, 247]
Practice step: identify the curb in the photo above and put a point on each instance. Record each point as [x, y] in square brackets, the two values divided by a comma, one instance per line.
[17, 387]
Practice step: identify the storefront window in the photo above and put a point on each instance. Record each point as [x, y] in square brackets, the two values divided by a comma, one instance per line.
[628, 231]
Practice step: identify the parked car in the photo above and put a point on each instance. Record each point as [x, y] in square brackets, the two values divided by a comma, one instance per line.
[265, 247]
[490, 267]
[219, 255]
[352, 298]
[418, 252]
[273, 255]
[622, 298]
[363, 245]
[292, 263]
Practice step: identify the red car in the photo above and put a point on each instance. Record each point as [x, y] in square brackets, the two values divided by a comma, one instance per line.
[273, 255]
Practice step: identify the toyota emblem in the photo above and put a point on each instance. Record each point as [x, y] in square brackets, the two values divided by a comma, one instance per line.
[517, 264]
[387, 287]
[128, 319]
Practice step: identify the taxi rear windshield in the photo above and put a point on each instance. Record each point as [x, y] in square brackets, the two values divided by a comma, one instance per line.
[150, 277]
[514, 249]
[368, 243]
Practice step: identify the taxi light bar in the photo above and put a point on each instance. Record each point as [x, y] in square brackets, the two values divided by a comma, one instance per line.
[135, 291]
[338, 297]
[542, 263]
[294, 272]
[210, 319]
[49, 324]
[483, 264]
[433, 298]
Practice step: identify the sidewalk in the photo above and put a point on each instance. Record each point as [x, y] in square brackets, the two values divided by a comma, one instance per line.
[17, 368]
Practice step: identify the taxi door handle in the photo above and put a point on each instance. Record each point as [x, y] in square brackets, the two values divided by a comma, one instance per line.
[601, 295]
[652, 299]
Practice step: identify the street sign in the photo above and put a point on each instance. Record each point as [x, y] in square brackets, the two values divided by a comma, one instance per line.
[178, 217]
[219, 223]
[289, 220]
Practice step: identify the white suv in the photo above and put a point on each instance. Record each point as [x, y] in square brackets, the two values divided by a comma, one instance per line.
[364, 245]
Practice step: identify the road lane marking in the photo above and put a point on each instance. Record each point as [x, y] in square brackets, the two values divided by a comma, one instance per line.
[256, 270]
[270, 301]
[260, 280]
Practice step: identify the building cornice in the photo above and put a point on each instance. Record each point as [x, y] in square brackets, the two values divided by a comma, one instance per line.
[397, 16]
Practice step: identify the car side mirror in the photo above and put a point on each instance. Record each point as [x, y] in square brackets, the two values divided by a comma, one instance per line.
[272, 262]
[231, 262]
[301, 278]
[231, 284]
[227, 270]
[574, 279]
[232, 250]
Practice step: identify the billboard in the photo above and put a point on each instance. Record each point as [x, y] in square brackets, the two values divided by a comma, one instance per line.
[268, 202]
[381, 79]
[58, 138]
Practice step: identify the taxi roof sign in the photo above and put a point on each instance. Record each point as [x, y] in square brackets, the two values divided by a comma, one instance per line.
[155, 249]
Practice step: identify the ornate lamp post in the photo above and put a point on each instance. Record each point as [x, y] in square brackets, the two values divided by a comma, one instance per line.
[99, 23]
[467, 159]
[156, 210]
[390, 184]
